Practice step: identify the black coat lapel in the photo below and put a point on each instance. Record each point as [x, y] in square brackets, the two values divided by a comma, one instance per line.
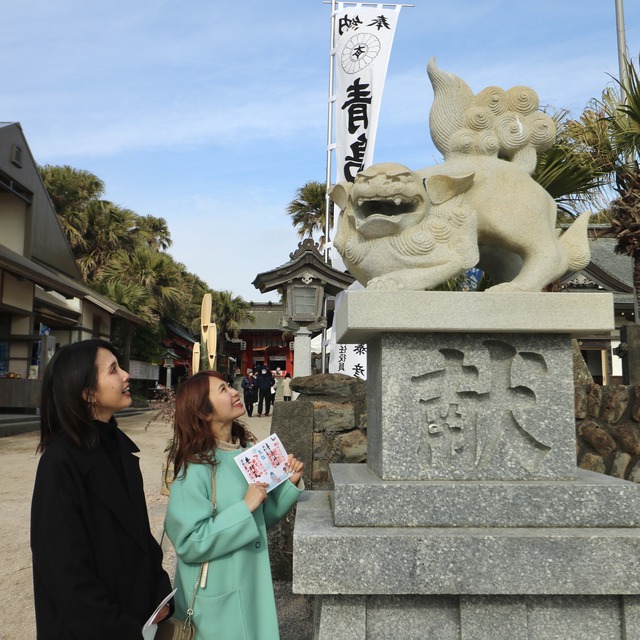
[133, 475]
[104, 484]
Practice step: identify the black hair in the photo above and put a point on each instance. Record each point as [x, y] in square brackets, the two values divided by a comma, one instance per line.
[68, 383]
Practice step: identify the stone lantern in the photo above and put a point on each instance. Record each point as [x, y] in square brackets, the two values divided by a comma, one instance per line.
[306, 280]
[168, 359]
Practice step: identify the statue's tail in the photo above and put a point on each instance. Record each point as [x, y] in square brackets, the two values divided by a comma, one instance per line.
[451, 98]
[575, 242]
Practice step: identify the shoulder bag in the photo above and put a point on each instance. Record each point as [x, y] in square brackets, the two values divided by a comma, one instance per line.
[172, 628]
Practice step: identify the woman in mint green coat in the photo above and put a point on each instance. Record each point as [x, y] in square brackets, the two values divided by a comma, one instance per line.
[227, 528]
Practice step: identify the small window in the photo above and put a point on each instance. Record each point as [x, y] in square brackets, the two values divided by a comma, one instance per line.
[16, 155]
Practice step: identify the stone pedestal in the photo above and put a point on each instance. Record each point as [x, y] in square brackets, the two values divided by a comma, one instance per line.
[470, 520]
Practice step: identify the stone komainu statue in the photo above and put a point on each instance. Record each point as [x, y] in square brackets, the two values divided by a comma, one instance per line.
[413, 230]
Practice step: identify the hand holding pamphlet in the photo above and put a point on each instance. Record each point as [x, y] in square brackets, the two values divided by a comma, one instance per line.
[265, 462]
[150, 628]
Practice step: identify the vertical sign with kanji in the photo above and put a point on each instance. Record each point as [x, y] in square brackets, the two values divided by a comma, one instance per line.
[363, 40]
[363, 36]
[350, 359]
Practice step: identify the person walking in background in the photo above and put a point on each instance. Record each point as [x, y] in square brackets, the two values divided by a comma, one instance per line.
[265, 381]
[215, 516]
[286, 388]
[250, 391]
[97, 569]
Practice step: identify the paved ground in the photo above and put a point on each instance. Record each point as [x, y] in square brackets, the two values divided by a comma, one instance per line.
[19, 461]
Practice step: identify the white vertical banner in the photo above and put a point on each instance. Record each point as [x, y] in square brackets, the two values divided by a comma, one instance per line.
[363, 40]
[363, 37]
[350, 359]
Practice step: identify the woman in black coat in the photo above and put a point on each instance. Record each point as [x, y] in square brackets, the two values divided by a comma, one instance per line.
[97, 569]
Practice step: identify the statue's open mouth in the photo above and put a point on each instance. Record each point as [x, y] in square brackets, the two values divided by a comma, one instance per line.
[367, 207]
[378, 217]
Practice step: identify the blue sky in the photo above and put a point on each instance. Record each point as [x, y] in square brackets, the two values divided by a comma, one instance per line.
[212, 114]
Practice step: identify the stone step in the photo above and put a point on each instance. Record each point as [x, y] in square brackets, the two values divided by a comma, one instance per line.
[13, 425]
[361, 499]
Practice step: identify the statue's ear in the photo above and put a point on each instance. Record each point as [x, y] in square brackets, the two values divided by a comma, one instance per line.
[339, 193]
[441, 187]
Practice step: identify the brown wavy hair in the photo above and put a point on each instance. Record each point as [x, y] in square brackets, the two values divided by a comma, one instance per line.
[193, 437]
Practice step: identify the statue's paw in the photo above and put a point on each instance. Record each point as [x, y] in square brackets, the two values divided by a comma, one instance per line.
[385, 283]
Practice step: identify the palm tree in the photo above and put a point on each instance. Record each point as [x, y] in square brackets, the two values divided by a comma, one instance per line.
[157, 273]
[570, 171]
[107, 230]
[609, 130]
[229, 312]
[135, 297]
[71, 190]
[309, 211]
[154, 232]
[122, 256]
[188, 314]
[622, 114]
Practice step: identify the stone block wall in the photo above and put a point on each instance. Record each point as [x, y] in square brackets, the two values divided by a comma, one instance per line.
[338, 436]
[608, 429]
[338, 408]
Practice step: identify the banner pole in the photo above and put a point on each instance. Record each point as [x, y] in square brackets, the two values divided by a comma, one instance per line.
[330, 145]
[328, 217]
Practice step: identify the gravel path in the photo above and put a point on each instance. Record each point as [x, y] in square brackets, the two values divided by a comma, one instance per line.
[19, 461]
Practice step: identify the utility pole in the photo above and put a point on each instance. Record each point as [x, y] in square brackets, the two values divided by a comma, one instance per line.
[622, 45]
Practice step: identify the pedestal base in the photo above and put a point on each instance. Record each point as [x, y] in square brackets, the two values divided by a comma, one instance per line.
[466, 583]
[477, 617]
[470, 560]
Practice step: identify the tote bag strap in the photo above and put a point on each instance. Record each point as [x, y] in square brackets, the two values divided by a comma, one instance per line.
[201, 580]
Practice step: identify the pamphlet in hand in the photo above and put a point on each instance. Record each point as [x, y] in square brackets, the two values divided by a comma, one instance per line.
[149, 629]
[264, 462]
